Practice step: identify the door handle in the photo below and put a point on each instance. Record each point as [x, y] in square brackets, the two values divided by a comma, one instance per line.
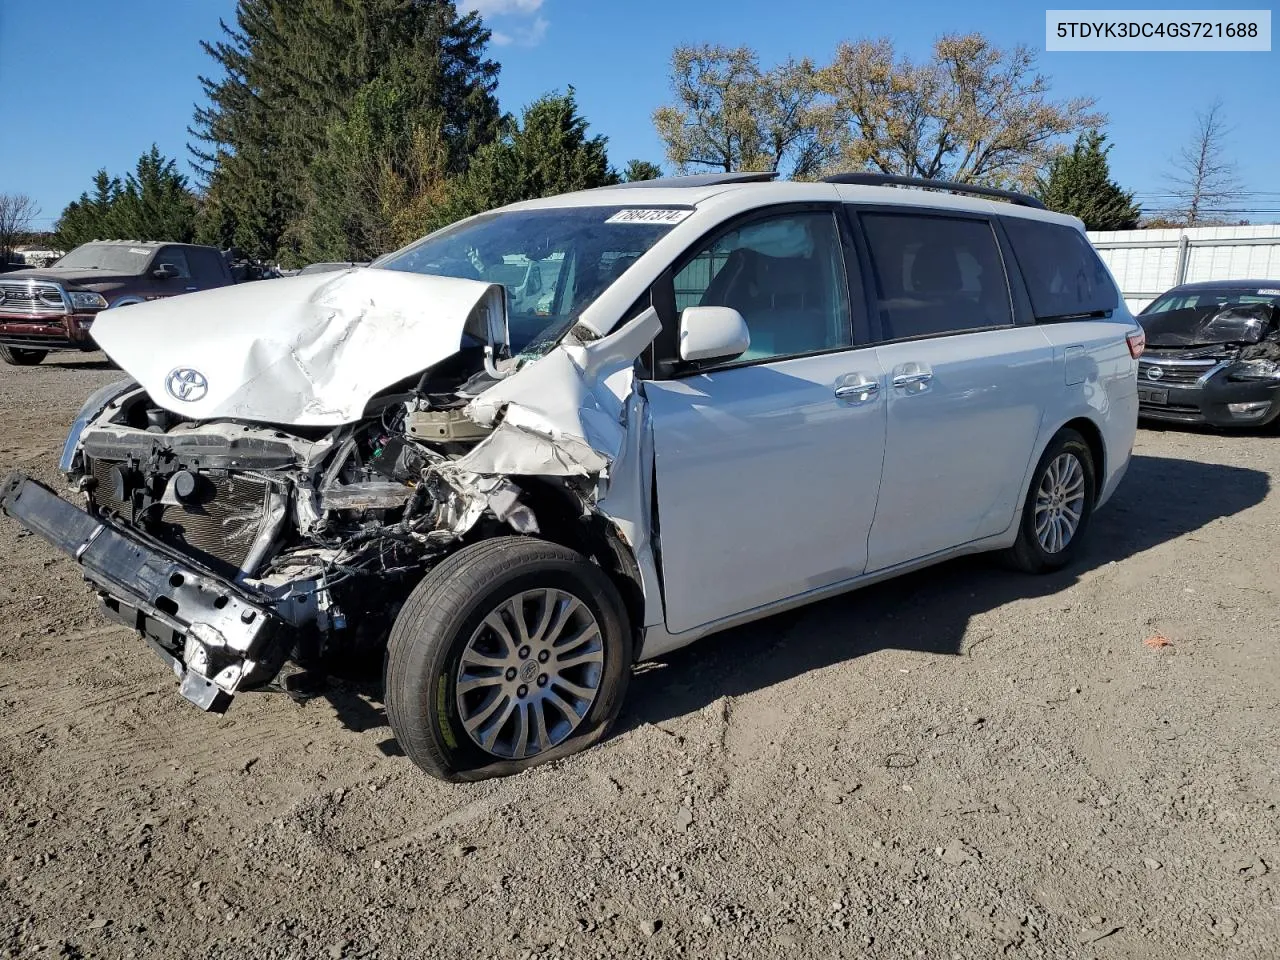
[855, 388]
[910, 379]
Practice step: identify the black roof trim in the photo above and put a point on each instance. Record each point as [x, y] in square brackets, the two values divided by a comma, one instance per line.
[703, 179]
[890, 180]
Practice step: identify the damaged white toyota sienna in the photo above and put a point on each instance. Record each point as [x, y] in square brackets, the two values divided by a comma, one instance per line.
[555, 439]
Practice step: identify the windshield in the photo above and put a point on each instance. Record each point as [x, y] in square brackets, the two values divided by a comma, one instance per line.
[553, 263]
[114, 257]
[1212, 299]
[1185, 318]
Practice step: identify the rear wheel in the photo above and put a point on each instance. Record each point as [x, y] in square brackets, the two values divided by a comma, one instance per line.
[510, 653]
[1059, 506]
[19, 357]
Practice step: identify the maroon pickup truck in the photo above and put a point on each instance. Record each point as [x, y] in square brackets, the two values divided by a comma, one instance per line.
[52, 308]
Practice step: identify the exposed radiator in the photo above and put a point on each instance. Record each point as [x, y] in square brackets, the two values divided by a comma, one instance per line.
[219, 532]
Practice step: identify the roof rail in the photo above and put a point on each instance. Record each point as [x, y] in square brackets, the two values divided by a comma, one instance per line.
[705, 179]
[891, 180]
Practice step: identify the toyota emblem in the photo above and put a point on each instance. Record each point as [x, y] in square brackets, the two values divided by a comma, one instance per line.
[186, 384]
[1155, 373]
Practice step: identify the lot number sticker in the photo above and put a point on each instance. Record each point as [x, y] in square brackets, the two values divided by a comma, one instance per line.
[639, 215]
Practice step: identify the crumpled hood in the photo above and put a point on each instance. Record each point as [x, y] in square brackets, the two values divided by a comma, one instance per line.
[1204, 326]
[302, 351]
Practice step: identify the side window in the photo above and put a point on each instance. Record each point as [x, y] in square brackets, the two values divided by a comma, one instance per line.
[207, 265]
[1065, 277]
[785, 275]
[175, 257]
[936, 275]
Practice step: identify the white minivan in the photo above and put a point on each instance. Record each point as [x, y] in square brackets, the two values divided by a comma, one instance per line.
[705, 400]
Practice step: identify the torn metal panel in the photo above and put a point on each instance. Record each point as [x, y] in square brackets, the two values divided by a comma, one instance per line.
[304, 351]
[628, 503]
[563, 415]
[371, 495]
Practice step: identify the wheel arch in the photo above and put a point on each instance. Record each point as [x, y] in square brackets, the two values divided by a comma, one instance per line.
[1092, 435]
[563, 519]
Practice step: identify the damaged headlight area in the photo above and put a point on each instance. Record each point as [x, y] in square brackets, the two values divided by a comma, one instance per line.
[1259, 369]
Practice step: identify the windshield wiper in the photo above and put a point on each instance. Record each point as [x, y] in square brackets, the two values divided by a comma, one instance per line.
[1090, 315]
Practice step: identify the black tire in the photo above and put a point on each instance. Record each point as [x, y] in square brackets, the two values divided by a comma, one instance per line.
[1027, 553]
[19, 357]
[433, 629]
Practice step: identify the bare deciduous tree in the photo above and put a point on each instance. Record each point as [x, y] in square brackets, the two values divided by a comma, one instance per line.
[1203, 178]
[972, 113]
[17, 210]
[732, 115]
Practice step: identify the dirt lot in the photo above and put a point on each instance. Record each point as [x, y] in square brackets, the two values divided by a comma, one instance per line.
[965, 763]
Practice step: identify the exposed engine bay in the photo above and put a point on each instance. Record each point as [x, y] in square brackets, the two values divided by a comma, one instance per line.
[1247, 334]
[330, 527]
[235, 545]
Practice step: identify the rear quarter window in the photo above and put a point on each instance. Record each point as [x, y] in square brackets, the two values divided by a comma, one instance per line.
[207, 264]
[1065, 277]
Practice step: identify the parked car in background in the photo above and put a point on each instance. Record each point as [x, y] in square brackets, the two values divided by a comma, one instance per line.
[327, 267]
[53, 308]
[1213, 354]
[801, 388]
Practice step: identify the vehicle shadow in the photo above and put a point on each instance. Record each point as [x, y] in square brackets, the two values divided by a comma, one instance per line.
[1160, 499]
[928, 611]
[1206, 430]
[88, 362]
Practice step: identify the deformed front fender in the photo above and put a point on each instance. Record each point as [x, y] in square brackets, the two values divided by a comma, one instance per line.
[565, 414]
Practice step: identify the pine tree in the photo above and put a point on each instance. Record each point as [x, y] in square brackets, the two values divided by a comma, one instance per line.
[546, 152]
[87, 218]
[1079, 183]
[641, 170]
[152, 203]
[155, 203]
[377, 182]
[295, 73]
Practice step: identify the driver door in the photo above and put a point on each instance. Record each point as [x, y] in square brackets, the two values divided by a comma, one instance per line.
[767, 466]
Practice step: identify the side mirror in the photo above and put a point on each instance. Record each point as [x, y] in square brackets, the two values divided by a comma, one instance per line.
[712, 333]
[166, 271]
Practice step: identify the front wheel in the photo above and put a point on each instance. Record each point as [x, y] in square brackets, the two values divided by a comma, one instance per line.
[510, 653]
[18, 357]
[1059, 506]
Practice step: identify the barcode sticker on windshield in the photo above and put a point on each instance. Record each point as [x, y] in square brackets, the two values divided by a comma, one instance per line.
[639, 215]
[1269, 293]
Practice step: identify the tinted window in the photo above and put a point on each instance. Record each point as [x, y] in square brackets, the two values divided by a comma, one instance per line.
[1208, 299]
[1064, 275]
[207, 264]
[936, 274]
[785, 275]
[176, 257]
[554, 263]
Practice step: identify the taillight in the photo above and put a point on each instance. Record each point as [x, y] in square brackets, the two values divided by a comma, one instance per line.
[1137, 343]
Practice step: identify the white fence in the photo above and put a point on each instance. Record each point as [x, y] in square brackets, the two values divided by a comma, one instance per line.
[1146, 263]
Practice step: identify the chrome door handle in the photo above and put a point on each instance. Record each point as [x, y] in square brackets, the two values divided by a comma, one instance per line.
[909, 379]
[858, 392]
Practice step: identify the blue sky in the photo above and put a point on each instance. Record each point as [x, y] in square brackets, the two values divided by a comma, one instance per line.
[125, 71]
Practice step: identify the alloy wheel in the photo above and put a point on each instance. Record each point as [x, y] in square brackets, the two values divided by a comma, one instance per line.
[1060, 502]
[530, 673]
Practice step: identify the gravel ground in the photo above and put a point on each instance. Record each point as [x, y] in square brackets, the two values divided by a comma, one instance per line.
[962, 763]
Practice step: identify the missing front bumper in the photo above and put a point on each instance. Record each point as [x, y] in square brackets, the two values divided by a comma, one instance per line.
[218, 638]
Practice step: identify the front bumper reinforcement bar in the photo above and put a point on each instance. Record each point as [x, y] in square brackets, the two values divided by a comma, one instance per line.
[217, 637]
